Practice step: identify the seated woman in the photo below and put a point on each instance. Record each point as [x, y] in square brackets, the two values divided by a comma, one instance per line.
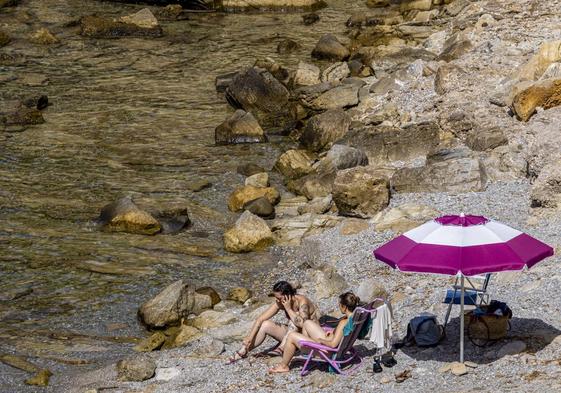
[297, 308]
[312, 331]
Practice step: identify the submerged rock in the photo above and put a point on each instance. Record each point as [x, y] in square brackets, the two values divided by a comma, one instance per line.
[241, 127]
[250, 233]
[21, 115]
[329, 48]
[4, 38]
[97, 27]
[43, 37]
[143, 18]
[124, 216]
[136, 369]
[40, 379]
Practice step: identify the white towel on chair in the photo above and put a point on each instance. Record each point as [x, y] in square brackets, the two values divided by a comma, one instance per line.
[381, 333]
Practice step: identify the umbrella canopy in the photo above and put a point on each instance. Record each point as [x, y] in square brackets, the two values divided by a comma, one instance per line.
[467, 245]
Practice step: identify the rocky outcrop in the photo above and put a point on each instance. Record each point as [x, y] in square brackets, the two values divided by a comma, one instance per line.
[245, 194]
[544, 94]
[323, 130]
[136, 369]
[176, 301]
[405, 217]
[259, 92]
[293, 164]
[384, 144]
[313, 185]
[329, 48]
[124, 216]
[250, 233]
[342, 157]
[241, 127]
[546, 190]
[291, 230]
[361, 191]
[98, 27]
[445, 171]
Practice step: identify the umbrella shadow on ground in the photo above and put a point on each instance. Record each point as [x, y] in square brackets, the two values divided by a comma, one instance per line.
[533, 332]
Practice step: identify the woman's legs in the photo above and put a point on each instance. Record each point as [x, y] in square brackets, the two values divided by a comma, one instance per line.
[292, 344]
[313, 330]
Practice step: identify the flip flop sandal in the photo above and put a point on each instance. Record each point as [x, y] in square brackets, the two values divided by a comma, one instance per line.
[275, 352]
[237, 357]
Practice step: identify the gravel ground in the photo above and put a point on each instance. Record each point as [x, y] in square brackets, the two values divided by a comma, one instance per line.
[534, 296]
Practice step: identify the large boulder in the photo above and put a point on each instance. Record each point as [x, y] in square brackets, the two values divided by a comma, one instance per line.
[136, 369]
[185, 335]
[176, 301]
[241, 127]
[445, 171]
[259, 92]
[245, 194]
[546, 190]
[335, 72]
[545, 94]
[250, 233]
[361, 191]
[211, 319]
[323, 130]
[293, 164]
[313, 185]
[317, 205]
[98, 27]
[384, 144]
[329, 48]
[488, 138]
[124, 216]
[342, 157]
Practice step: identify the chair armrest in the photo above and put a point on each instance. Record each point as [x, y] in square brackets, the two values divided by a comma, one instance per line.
[314, 345]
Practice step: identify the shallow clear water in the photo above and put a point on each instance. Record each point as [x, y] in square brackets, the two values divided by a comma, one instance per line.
[127, 116]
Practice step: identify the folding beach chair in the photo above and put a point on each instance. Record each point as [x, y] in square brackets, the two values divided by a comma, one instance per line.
[475, 293]
[342, 356]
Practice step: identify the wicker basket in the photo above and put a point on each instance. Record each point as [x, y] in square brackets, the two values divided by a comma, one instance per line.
[487, 326]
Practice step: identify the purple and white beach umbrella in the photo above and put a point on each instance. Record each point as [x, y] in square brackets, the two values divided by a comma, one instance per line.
[465, 246]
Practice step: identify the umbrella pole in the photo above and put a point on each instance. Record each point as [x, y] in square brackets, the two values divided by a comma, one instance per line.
[462, 319]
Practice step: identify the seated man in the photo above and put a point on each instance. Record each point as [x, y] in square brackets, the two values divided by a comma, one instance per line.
[297, 308]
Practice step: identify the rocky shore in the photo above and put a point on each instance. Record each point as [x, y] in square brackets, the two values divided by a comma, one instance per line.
[422, 108]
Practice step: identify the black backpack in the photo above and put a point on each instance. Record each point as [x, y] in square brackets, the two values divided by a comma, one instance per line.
[425, 331]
